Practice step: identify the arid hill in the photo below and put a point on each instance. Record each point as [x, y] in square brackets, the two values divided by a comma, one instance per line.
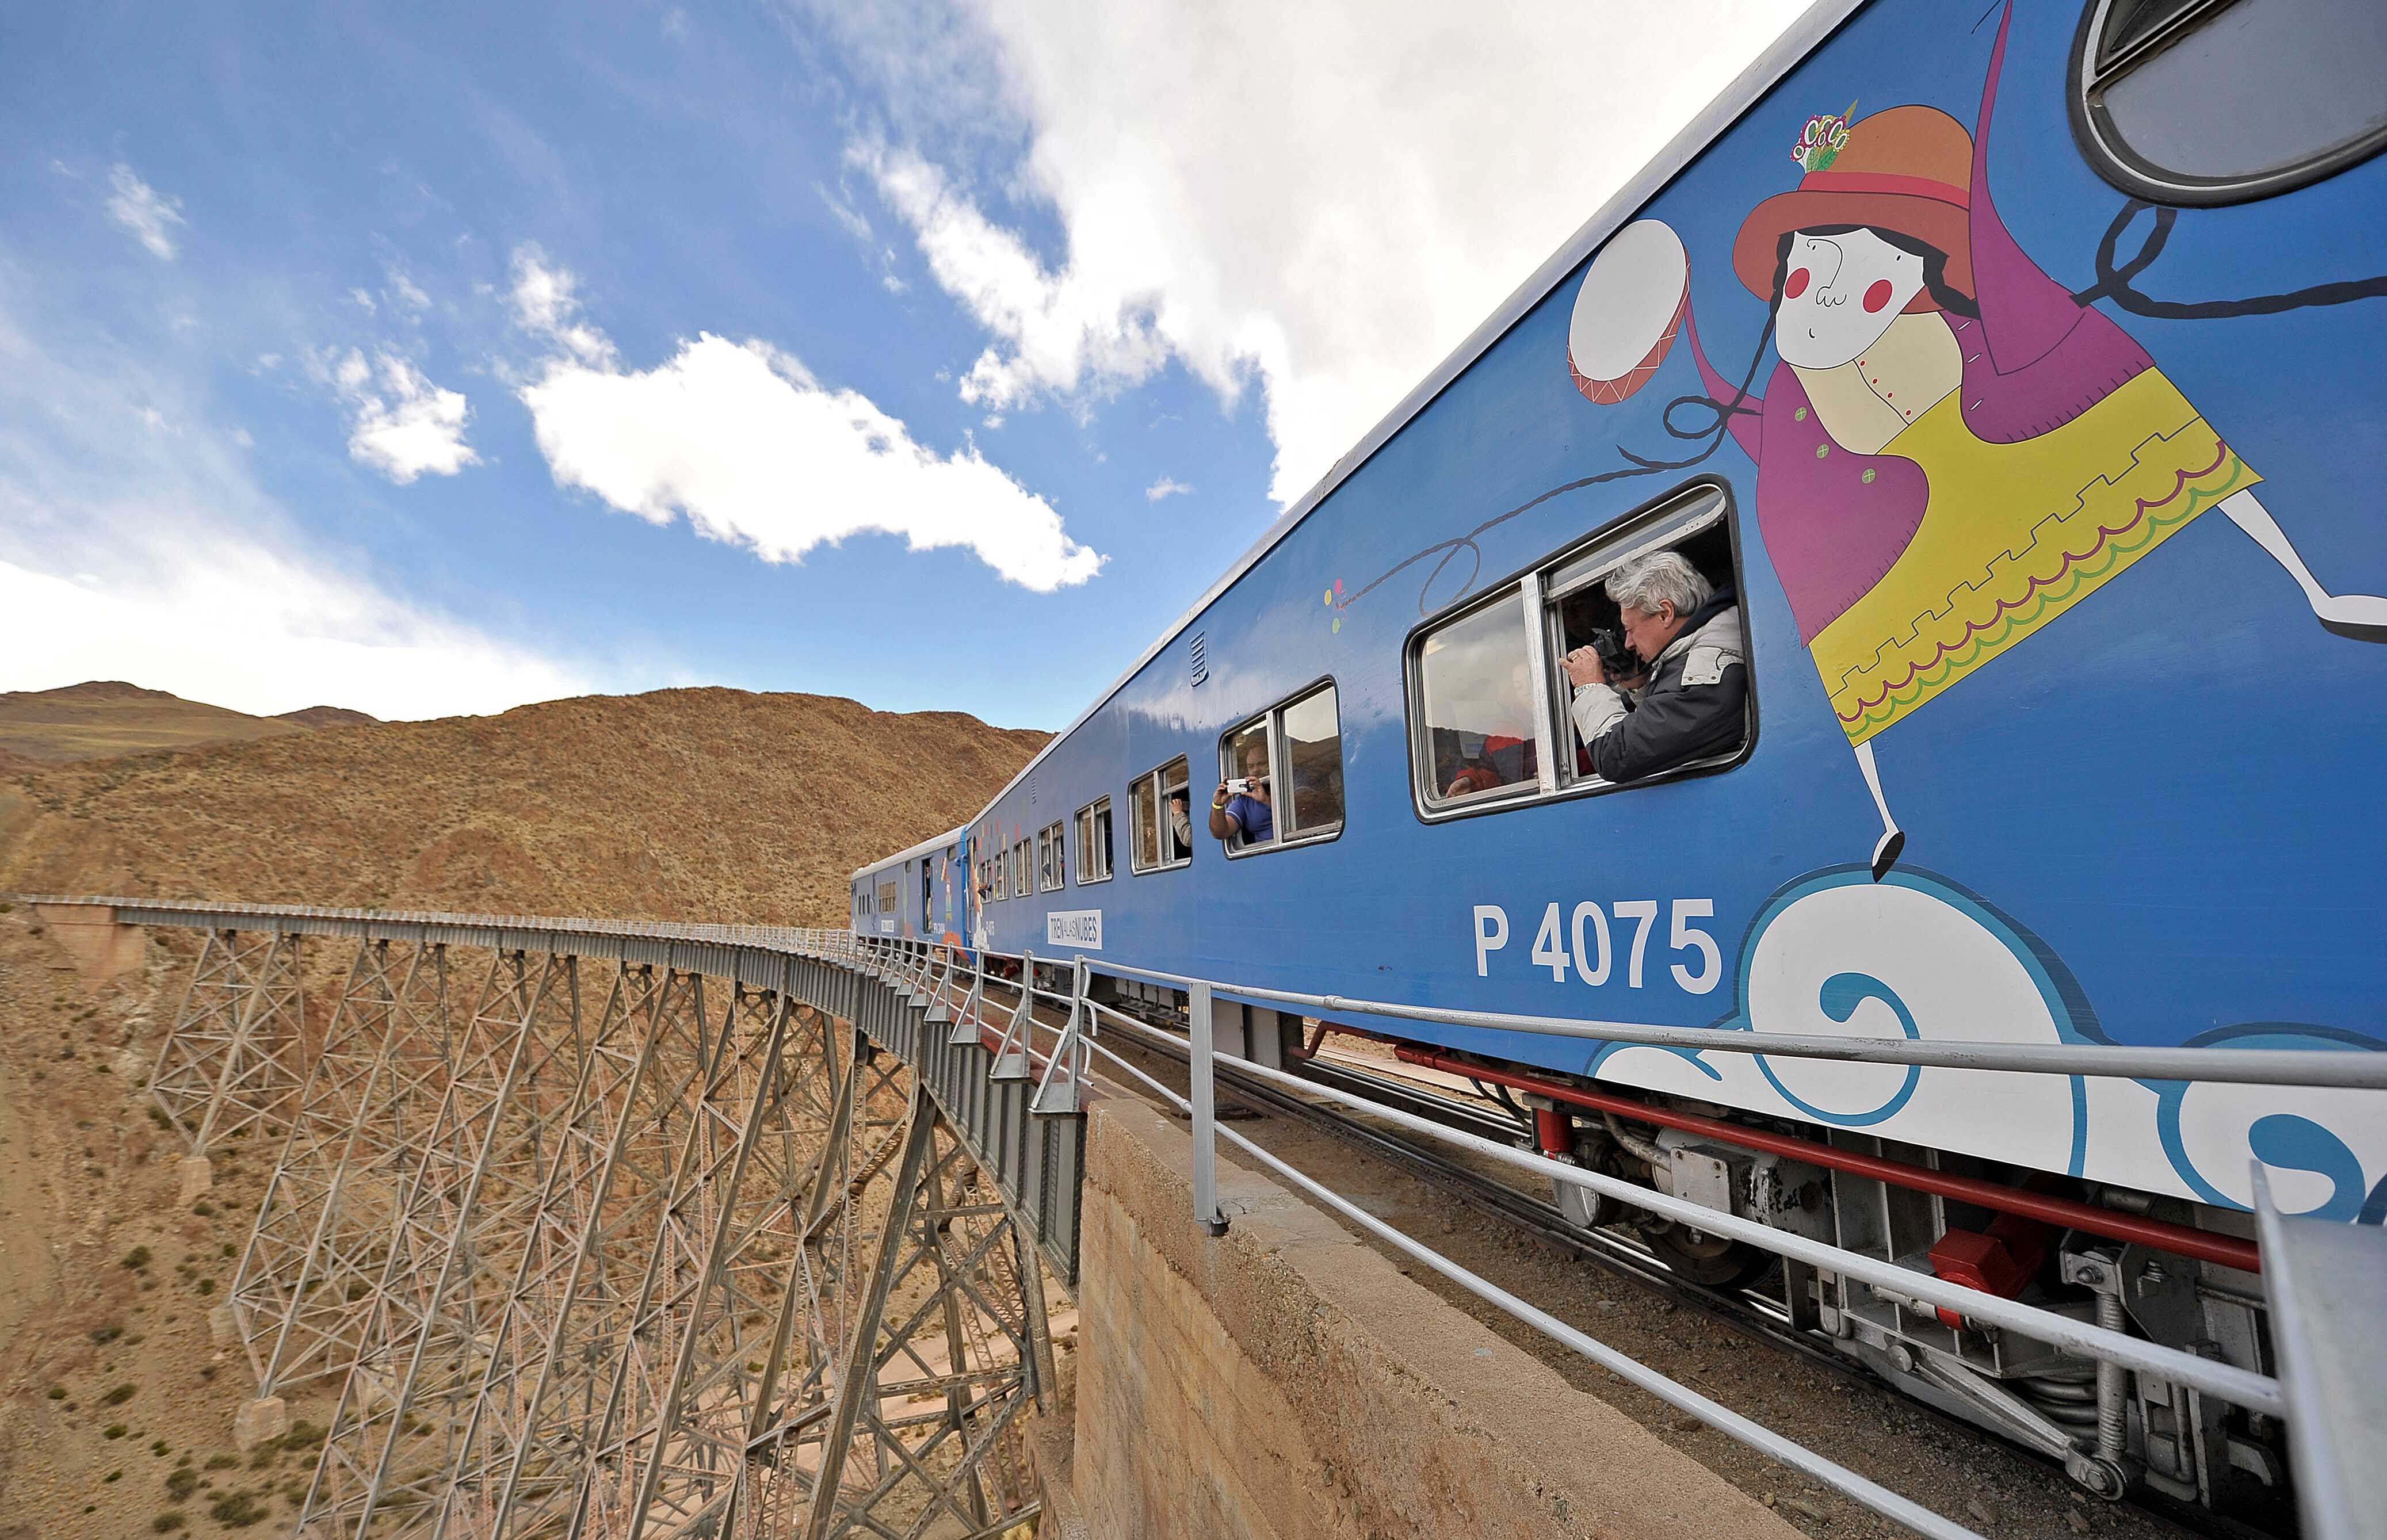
[326, 717]
[679, 805]
[107, 717]
[115, 1399]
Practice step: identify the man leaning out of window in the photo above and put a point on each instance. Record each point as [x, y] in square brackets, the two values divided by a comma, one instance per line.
[1694, 698]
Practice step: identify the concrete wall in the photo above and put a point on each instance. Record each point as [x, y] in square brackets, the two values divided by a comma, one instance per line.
[101, 948]
[1286, 1382]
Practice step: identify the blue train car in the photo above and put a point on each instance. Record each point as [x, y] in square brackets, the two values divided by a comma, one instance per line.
[918, 894]
[2008, 383]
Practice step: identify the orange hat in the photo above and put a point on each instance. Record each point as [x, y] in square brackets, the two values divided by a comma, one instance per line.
[1907, 169]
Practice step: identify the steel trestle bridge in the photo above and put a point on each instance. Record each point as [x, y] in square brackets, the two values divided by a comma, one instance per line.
[625, 1229]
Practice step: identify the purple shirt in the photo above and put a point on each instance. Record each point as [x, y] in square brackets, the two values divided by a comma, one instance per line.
[1253, 816]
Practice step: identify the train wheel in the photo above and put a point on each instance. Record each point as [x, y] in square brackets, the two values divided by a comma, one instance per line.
[1715, 1260]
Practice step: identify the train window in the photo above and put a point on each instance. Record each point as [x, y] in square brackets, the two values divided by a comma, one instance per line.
[2223, 101]
[1476, 705]
[1159, 809]
[1295, 749]
[1094, 841]
[1022, 881]
[1489, 697]
[887, 897]
[1053, 851]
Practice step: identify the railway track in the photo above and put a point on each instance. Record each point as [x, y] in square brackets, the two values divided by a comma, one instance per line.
[1746, 1312]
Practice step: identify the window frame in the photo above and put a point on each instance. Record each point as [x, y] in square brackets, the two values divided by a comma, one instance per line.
[1154, 776]
[890, 894]
[1088, 846]
[1052, 867]
[2112, 158]
[1273, 716]
[1550, 717]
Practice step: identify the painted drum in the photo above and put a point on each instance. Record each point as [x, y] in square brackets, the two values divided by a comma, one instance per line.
[1628, 311]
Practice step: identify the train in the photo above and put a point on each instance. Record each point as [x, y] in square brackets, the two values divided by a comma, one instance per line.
[2009, 379]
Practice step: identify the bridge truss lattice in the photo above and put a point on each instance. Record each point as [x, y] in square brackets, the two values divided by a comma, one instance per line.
[691, 1232]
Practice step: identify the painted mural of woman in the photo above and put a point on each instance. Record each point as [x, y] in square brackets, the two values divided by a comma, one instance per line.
[1953, 450]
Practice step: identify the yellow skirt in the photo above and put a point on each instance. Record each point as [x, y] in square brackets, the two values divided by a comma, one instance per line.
[2013, 536]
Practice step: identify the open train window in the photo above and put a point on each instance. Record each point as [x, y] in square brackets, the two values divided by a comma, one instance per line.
[1159, 809]
[1094, 841]
[1052, 853]
[1022, 883]
[2224, 101]
[1294, 750]
[1488, 696]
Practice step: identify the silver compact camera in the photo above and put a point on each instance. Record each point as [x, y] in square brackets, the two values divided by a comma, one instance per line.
[1243, 786]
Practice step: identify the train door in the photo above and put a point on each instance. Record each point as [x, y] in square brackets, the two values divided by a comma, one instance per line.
[928, 897]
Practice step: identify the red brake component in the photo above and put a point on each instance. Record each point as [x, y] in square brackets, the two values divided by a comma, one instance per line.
[2001, 1261]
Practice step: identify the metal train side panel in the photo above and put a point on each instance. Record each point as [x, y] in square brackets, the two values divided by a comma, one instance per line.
[2065, 612]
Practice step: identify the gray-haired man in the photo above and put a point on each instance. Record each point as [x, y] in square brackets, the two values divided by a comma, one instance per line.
[1695, 700]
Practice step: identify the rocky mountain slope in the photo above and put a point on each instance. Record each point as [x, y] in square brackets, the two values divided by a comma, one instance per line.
[683, 804]
[107, 717]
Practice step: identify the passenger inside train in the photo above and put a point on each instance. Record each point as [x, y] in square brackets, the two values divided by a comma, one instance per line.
[1163, 829]
[1476, 681]
[1687, 696]
[1245, 815]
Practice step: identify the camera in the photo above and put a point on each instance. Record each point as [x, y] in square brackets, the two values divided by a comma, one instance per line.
[1616, 659]
[1243, 786]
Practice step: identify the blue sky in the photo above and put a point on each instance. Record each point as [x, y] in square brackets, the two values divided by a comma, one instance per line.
[438, 358]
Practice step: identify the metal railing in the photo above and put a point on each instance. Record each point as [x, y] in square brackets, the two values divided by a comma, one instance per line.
[1067, 1059]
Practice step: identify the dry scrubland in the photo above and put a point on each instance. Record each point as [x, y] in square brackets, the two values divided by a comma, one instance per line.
[107, 717]
[116, 1404]
[698, 804]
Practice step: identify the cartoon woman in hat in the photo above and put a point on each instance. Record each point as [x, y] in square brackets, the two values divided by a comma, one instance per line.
[1952, 451]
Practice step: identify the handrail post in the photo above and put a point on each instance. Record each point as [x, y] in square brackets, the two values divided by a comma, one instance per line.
[1066, 1070]
[1011, 1054]
[1206, 1115]
[968, 1022]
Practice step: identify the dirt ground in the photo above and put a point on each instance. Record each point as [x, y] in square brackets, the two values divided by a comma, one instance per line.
[116, 1406]
[1945, 1466]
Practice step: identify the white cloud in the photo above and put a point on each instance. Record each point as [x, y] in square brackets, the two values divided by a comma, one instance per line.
[1167, 486]
[743, 441]
[140, 208]
[362, 301]
[408, 293]
[157, 558]
[546, 301]
[1327, 197]
[400, 423]
[1058, 332]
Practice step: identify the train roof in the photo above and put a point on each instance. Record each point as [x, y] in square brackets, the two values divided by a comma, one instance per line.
[926, 847]
[1814, 25]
